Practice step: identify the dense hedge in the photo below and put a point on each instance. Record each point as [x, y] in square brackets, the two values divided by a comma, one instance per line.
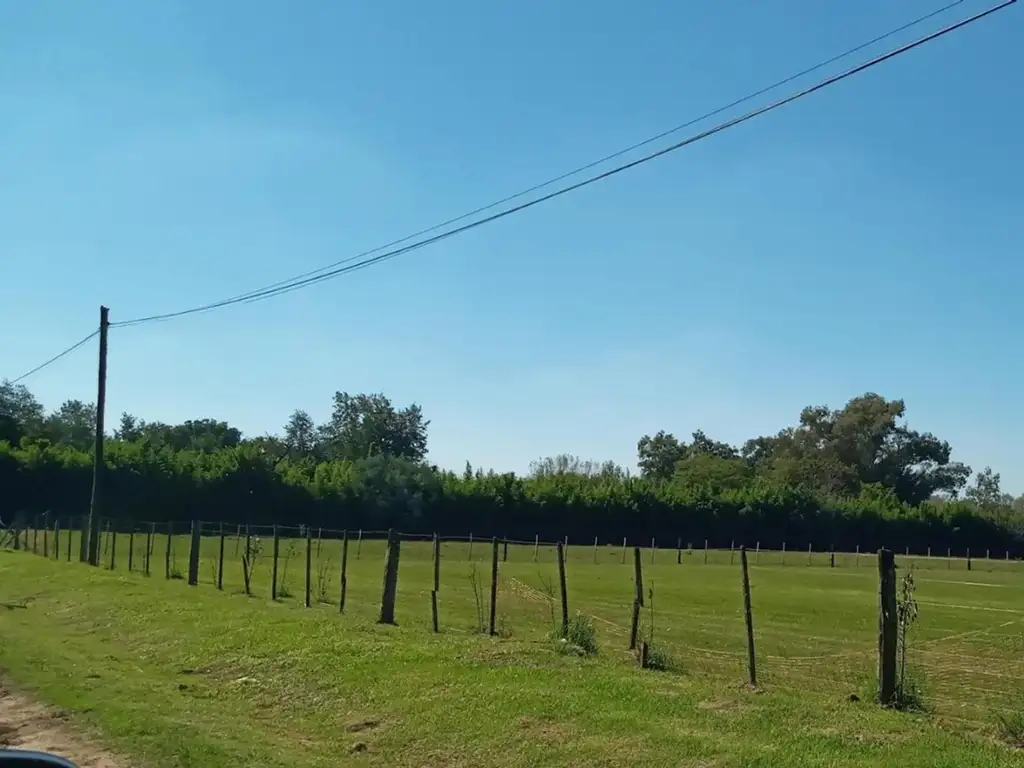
[240, 485]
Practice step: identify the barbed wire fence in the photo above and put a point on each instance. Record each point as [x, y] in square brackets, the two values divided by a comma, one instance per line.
[517, 589]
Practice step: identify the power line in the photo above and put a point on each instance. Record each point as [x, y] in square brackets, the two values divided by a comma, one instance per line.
[55, 358]
[320, 275]
[606, 158]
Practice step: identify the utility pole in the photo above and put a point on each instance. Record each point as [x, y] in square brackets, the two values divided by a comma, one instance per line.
[95, 504]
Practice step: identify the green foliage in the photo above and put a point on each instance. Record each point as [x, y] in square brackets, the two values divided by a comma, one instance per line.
[581, 637]
[856, 476]
[1010, 726]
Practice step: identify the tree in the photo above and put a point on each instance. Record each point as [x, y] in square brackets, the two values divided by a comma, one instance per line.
[130, 429]
[367, 425]
[300, 434]
[74, 424]
[862, 443]
[21, 415]
[567, 464]
[657, 456]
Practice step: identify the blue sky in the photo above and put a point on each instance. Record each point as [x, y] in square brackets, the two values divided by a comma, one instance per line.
[158, 155]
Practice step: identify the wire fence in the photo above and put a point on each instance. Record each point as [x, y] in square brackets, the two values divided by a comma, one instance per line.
[815, 615]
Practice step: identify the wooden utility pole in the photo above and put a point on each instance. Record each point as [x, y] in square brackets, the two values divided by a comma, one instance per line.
[96, 503]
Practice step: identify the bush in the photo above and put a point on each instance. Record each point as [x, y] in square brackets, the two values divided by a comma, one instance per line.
[581, 638]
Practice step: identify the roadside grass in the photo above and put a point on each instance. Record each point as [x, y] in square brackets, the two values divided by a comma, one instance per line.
[172, 675]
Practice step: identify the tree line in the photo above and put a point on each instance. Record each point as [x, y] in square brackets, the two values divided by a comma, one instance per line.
[853, 476]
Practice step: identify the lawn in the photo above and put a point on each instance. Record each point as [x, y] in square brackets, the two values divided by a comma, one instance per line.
[172, 675]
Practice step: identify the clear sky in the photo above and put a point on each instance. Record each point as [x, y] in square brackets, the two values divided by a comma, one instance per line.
[158, 155]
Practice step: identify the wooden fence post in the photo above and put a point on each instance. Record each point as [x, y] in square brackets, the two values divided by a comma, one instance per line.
[390, 590]
[309, 564]
[35, 535]
[71, 527]
[113, 546]
[536, 546]
[783, 554]
[149, 546]
[623, 550]
[887, 627]
[319, 540]
[595, 549]
[220, 559]
[705, 551]
[749, 616]
[494, 587]
[56, 539]
[193, 554]
[832, 557]
[652, 550]
[46, 535]
[732, 551]
[131, 549]
[437, 582]
[757, 553]
[170, 544]
[638, 598]
[344, 570]
[273, 565]
[504, 551]
[679, 551]
[562, 589]
[359, 544]
[968, 558]
[471, 547]
[809, 546]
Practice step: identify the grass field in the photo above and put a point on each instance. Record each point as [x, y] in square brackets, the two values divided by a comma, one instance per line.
[175, 675]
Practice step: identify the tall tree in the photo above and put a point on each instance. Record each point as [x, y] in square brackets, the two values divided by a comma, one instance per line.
[658, 456]
[21, 415]
[74, 424]
[367, 425]
[300, 434]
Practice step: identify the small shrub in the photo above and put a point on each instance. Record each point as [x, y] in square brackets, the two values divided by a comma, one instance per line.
[284, 593]
[581, 639]
[659, 659]
[323, 572]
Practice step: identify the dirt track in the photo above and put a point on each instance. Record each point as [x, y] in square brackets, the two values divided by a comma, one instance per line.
[25, 724]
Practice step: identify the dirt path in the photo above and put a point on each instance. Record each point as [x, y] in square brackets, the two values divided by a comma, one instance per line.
[25, 724]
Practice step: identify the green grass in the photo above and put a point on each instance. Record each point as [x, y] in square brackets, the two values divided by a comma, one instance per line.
[173, 675]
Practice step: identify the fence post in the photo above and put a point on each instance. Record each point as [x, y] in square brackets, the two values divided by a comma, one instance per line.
[562, 589]
[595, 550]
[857, 561]
[359, 544]
[749, 617]
[809, 553]
[273, 565]
[170, 544]
[193, 554]
[220, 559]
[705, 551]
[71, 527]
[471, 547]
[309, 563]
[83, 542]
[437, 581]
[494, 587]
[319, 540]
[887, 629]
[131, 549]
[968, 558]
[623, 550]
[504, 551]
[949, 558]
[344, 570]
[832, 557]
[732, 550]
[46, 535]
[536, 546]
[35, 535]
[757, 553]
[638, 598]
[113, 546]
[387, 600]
[56, 538]
[783, 554]
[149, 545]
